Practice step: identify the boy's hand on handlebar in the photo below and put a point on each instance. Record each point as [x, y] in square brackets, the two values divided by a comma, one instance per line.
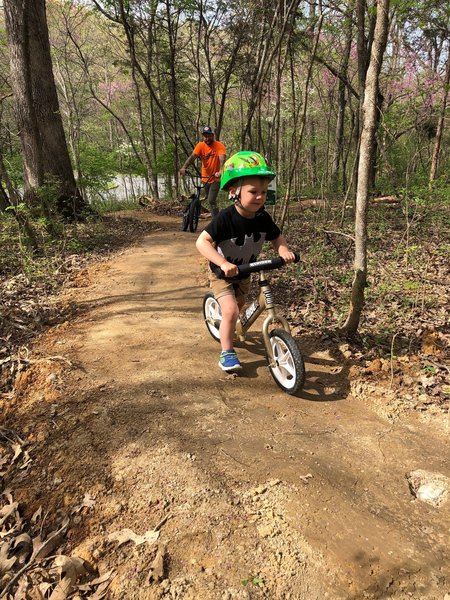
[287, 256]
[182, 171]
[229, 269]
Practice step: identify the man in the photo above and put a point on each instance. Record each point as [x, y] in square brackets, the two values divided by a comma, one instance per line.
[212, 153]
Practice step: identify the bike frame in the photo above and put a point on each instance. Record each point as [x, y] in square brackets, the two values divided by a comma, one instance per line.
[195, 196]
[198, 186]
[264, 302]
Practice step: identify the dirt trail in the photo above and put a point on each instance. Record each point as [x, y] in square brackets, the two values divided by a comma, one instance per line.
[258, 494]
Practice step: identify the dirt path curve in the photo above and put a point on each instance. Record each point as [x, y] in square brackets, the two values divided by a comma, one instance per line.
[258, 494]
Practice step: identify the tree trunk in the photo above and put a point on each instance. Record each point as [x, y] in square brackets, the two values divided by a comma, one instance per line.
[369, 121]
[339, 137]
[44, 148]
[440, 128]
[172, 34]
[312, 154]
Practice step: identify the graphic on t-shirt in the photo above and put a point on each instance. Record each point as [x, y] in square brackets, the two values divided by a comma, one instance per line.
[243, 249]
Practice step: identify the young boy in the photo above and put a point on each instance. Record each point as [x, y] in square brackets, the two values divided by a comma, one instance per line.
[235, 236]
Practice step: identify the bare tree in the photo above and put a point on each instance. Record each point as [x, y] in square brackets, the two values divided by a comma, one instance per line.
[276, 25]
[301, 116]
[341, 102]
[366, 157]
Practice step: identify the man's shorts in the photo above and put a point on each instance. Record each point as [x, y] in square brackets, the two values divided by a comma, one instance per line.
[226, 287]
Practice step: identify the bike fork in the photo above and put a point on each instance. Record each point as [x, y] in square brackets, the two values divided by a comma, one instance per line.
[269, 304]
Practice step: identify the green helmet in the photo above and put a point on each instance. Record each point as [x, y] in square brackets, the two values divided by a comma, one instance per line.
[244, 164]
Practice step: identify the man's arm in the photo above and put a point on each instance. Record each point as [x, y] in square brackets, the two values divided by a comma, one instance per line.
[222, 158]
[192, 158]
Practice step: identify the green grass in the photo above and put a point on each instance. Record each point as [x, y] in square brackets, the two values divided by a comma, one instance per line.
[110, 204]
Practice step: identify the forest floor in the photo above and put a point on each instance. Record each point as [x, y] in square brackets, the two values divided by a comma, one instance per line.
[155, 475]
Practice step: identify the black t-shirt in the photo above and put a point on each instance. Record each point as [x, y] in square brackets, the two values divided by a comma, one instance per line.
[239, 240]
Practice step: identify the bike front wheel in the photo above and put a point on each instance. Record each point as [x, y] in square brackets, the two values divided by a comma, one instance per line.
[288, 370]
[194, 215]
[212, 315]
[185, 221]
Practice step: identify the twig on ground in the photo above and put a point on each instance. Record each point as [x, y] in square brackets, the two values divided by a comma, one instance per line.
[232, 457]
[49, 359]
[438, 365]
[4, 433]
[392, 358]
[347, 235]
[163, 520]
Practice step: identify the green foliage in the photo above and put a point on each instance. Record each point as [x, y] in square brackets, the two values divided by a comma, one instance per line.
[14, 166]
[127, 161]
[256, 581]
[165, 163]
[10, 258]
[98, 165]
[50, 261]
[427, 207]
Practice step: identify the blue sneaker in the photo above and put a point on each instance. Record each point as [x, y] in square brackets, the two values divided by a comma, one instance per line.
[229, 361]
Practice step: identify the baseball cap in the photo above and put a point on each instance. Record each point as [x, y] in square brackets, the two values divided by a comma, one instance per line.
[207, 129]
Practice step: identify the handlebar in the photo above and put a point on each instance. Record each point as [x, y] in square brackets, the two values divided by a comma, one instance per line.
[261, 265]
[194, 176]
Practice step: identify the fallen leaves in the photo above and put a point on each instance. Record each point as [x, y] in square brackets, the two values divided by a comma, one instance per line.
[127, 535]
[42, 548]
[163, 207]
[6, 563]
[33, 563]
[406, 306]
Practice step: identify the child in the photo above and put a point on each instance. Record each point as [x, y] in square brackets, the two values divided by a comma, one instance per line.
[235, 236]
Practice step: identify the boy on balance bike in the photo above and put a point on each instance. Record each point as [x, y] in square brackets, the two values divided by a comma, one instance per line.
[235, 237]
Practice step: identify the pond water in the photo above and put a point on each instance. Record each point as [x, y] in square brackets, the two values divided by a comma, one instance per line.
[129, 187]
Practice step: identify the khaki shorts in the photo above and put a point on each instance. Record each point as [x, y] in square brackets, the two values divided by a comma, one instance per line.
[226, 287]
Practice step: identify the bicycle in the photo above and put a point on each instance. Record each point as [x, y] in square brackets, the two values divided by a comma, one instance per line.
[285, 361]
[191, 214]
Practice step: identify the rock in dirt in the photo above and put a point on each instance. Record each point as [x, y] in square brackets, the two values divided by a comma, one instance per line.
[429, 487]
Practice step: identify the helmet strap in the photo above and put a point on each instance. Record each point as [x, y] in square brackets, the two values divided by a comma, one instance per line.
[236, 196]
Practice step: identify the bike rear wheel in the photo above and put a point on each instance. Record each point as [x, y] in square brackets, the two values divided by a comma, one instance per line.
[212, 315]
[289, 368]
[194, 215]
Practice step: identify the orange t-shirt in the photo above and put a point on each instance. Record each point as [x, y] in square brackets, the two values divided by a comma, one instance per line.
[209, 155]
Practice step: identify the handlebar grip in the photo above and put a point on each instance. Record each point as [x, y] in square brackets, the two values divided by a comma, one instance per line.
[247, 269]
[217, 271]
